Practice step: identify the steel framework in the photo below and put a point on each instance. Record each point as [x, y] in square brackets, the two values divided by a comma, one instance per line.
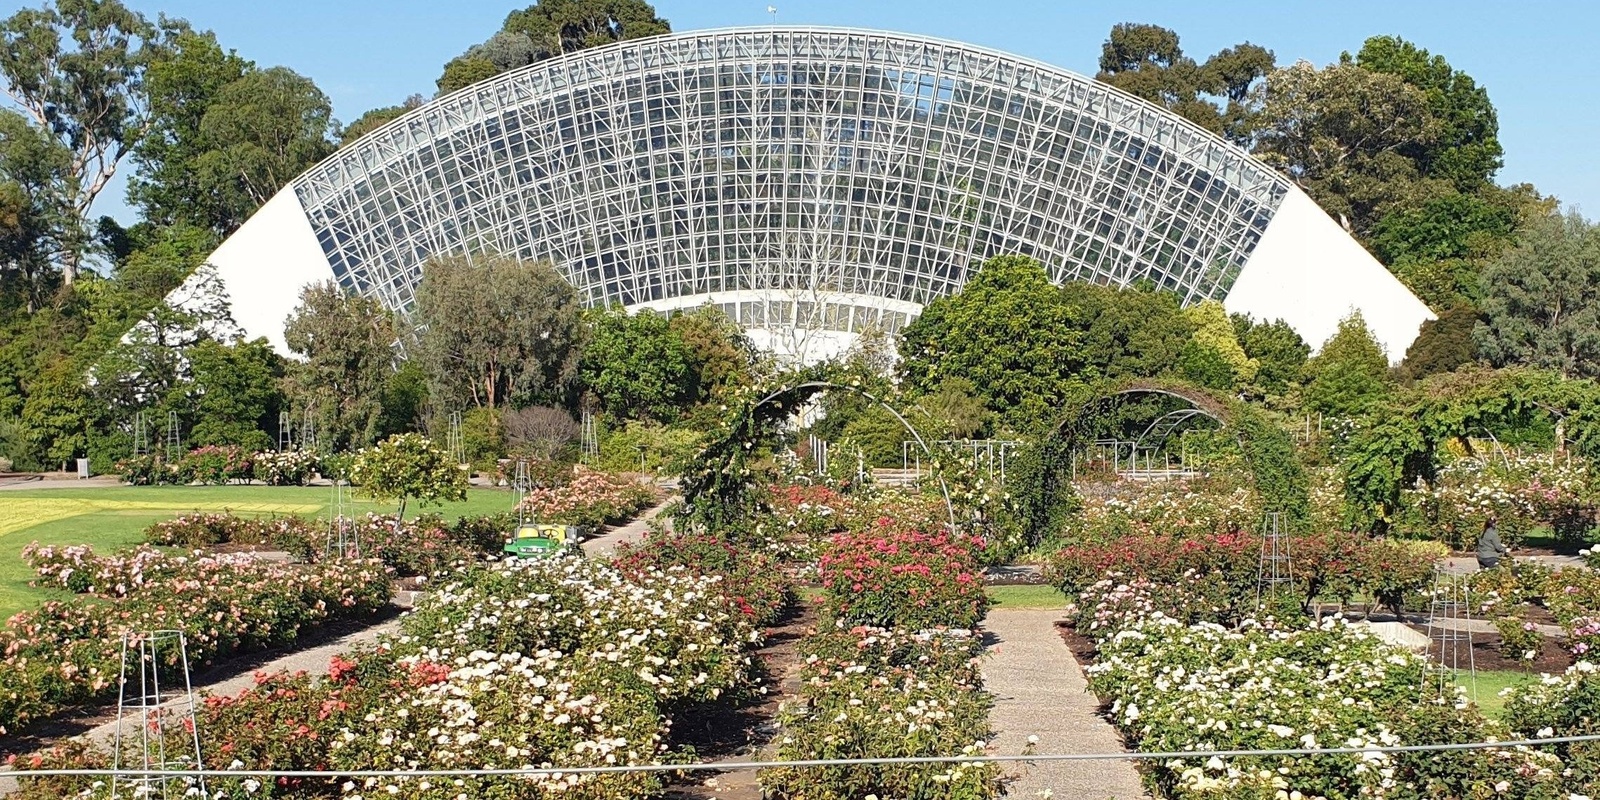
[796, 176]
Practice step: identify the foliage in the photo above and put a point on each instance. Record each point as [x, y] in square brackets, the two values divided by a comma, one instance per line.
[641, 445]
[1276, 347]
[1541, 305]
[753, 581]
[377, 118]
[1443, 344]
[236, 392]
[496, 330]
[1342, 133]
[893, 576]
[76, 68]
[722, 357]
[549, 28]
[346, 345]
[1146, 61]
[286, 468]
[1175, 687]
[1465, 149]
[542, 432]
[885, 693]
[261, 130]
[182, 82]
[67, 653]
[295, 535]
[1520, 494]
[589, 500]
[1008, 331]
[1350, 373]
[1133, 332]
[1563, 705]
[1215, 333]
[1519, 639]
[406, 466]
[637, 365]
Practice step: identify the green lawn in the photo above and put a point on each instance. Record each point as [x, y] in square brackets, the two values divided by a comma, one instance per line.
[109, 518]
[1489, 685]
[1027, 597]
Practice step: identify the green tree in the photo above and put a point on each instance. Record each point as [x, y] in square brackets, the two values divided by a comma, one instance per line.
[496, 330]
[1350, 373]
[407, 466]
[1138, 331]
[347, 343]
[183, 82]
[550, 28]
[1009, 332]
[1541, 304]
[56, 418]
[1213, 331]
[261, 131]
[38, 228]
[1466, 148]
[1437, 247]
[405, 395]
[1443, 345]
[1147, 61]
[1276, 347]
[637, 365]
[1342, 133]
[951, 411]
[76, 69]
[720, 354]
[377, 118]
[235, 391]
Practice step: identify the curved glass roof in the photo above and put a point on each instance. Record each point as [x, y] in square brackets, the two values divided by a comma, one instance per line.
[876, 168]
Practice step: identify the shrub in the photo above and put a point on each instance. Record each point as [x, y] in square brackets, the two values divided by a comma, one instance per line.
[754, 582]
[215, 464]
[896, 577]
[287, 468]
[298, 536]
[1518, 639]
[405, 466]
[591, 500]
[1563, 705]
[879, 693]
[68, 653]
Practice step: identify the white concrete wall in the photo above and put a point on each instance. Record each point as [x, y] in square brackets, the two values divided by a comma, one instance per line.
[1310, 273]
[264, 265]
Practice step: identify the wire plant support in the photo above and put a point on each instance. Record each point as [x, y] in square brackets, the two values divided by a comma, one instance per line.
[155, 723]
[454, 443]
[343, 539]
[1275, 571]
[1450, 637]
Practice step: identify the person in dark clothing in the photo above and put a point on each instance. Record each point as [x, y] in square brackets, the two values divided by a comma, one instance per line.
[1490, 548]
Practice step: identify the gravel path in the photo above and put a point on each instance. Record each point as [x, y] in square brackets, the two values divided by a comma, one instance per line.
[1040, 691]
[630, 533]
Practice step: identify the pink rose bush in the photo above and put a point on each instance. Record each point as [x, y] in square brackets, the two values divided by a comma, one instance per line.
[590, 500]
[67, 653]
[901, 577]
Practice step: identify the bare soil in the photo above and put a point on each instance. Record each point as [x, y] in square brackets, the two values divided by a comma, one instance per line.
[743, 731]
[1485, 654]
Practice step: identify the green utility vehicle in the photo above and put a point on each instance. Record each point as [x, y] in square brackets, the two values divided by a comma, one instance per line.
[534, 540]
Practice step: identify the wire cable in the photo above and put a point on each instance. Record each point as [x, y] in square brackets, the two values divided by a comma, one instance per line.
[729, 766]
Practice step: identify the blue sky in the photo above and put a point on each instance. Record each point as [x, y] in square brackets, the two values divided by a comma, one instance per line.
[1539, 60]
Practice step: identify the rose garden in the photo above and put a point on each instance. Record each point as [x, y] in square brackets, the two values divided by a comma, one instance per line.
[563, 662]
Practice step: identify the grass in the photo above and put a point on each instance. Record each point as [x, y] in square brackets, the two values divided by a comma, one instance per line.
[1028, 596]
[1489, 685]
[112, 518]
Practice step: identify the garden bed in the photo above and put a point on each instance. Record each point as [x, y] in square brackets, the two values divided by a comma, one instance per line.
[741, 733]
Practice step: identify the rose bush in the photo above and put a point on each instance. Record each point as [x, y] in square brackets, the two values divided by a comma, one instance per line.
[67, 653]
[590, 500]
[894, 576]
[754, 581]
[883, 693]
[1521, 493]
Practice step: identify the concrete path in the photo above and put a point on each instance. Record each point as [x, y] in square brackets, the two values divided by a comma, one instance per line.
[630, 533]
[1466, 565]
[1040, 691]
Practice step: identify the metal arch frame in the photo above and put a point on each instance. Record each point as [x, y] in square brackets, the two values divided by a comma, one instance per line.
[1177, 418]
[944, 488]
[622, 165]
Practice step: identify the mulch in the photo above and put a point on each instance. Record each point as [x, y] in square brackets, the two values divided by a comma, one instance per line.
[1485, 654]
[744, 731]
